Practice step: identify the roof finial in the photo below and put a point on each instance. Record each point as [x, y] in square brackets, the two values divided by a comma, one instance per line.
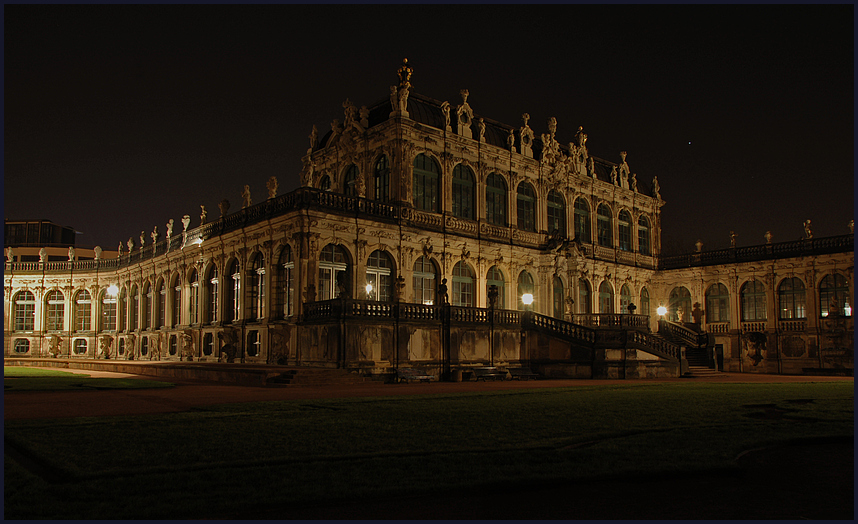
[404, 73]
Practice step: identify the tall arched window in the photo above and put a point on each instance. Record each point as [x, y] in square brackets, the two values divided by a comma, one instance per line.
[624, 230]
[285, 284]
[82, 311]
[25, 311]
[381, 178]
[604, 233]
[108, 312]
[556, 214]
[325, 183]
[834, 296]
[496, 200]
[717, 303]
[463, 192]
[379, 277]
[55, 312]
[148, 299]
[644, 306]
[606, 297]
[525, 285]
[679, 305]
[256, 288]
[162, 304]
[643, 236]
[625, 299]
[333, 272]
[753, 300]
[584, 304]
[426, 178]
[193, 298]
[177, 301]
[349, 179]
[495, 278]
[582, 220]
[213, 290]
[121, 312]
[135, 308]
[233, 290]
[425, 281]
[526, 207]
[558, 298]
[791, 299]
[463, 285]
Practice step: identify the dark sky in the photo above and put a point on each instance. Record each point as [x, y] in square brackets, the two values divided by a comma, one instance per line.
[118, 118]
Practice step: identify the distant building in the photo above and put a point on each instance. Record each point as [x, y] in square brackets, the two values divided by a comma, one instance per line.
[419, 233]
[27, 238]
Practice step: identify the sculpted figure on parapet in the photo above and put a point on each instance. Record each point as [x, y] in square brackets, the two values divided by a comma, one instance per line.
[245, 197]
[272, 187]
[807, 229]
[445, 109]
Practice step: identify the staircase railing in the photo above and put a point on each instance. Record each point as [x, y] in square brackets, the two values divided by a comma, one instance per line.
[680, 332]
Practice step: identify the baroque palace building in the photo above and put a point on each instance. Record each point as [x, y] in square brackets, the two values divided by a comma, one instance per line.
[419, 235]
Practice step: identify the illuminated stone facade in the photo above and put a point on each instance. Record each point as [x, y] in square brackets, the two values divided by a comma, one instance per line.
[410, 211]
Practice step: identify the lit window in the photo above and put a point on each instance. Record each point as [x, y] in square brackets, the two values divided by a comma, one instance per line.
[55, 312]
[624, 230]
[834, 296]
[643, 236]
[25, 311]
[495, 278]
[463, 285]
[83, 310]
[379, 277]
[425, 281]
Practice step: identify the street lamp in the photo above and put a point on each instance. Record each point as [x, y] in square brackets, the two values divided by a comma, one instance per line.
[527, 300]
[369, 291]
[661, 310]
[112, 290]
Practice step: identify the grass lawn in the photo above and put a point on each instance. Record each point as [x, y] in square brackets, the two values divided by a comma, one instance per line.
[213, 462]
[23, 378]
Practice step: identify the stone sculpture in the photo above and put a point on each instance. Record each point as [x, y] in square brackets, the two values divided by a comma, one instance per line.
[699, 245]
[186, 221]
[169, 230]
[445, 109]
[72, 254]
[245, 196]
[96, 251]
[154, 235]
[272, 187]
[807, 229]
[203, 214]
[142, 239]
[224, 207]
[43, 255]
[733, 236]
[768, 237]
[655, 188]
[130, 244]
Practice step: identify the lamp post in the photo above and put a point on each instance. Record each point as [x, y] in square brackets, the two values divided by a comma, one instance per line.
[493, 299]
[527, 300]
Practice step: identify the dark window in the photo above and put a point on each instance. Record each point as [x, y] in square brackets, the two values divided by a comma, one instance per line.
[643, 236]
[834, 296]
[495, 278]
[603, 226]
[717, 304]
[463, 285]
[526, 207]
[791, 299]
[496, 200]
[426, 178]
[582, 221]
[382, 179]
[463, 192]
[349, 181]
[556, 214]
[624, 230]
[753, 299]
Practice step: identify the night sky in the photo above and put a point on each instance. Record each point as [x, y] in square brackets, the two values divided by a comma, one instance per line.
[118, 118]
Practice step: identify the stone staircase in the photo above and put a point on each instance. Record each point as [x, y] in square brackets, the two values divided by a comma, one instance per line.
[698, 364]
[314, 377]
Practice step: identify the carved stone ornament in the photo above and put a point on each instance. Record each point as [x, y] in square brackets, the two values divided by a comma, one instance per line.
[203, 214]
[245, 197]
[526, 137]
[465, 115]
[445, 109]
[272, 186]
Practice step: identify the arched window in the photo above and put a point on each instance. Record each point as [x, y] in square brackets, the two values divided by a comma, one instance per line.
[606, 297]
[121, 348]
[121, 313]
[80, 346]
[162, 304]
[426, 179]
[135, 308]
[22, 345]
[108, 311]
[177, 301]
[55, 312]
[463, 192]
[717, 304]
[382, 179]
[558, 298]
[194, 299]
[556, 214]
[25, 311]
[495, 278]
[625, 299]
[834, 296]
[333, 272]
[526, 207]
[174, 345]
[643, 236]
[603, 226]
[496, 200]
[584, 304]
[753, 299]
[624, 230]
[349, 179]
[148, 297]
[379, 277]
[212, 295]
[644, 306]
[144, 346]
[525, 285]
[284, 293]
[582, 220]
[463, 285]
[791, 299]
[425, 281]
[256, 288]
[679, 305]
[208, 344]
[82, 311]
[233, 290]
[325, 183]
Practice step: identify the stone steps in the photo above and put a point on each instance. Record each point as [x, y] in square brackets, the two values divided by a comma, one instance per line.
[700, 372]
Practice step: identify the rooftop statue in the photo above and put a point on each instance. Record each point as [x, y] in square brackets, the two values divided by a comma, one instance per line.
[245, 196]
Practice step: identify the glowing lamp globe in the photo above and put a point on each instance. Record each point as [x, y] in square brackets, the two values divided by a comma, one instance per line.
[661, 310]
